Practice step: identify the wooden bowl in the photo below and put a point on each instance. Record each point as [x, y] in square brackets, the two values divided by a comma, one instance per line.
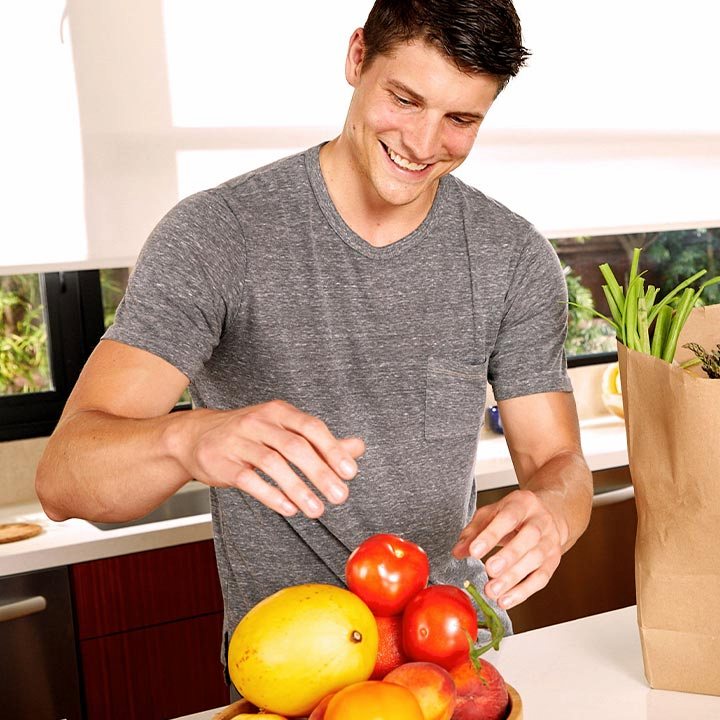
[243, 706]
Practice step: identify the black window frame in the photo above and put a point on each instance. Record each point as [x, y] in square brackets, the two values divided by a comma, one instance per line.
[75, 324]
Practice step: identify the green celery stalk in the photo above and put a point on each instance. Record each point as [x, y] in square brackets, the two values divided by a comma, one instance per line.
[671, 295]
[613, 285]
[614, 309]
[635, 288]
[660, 331]
[634, 265]
[707, 283]
[687, 301]
[650, 295]
[642, 326]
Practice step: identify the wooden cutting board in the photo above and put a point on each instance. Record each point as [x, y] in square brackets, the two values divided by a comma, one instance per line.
[12, 532]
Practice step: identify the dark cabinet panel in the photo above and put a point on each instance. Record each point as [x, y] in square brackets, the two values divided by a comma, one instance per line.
[150, 633]
[156, 672]
[133, 591]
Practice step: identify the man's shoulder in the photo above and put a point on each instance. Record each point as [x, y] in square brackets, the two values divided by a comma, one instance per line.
[491, 226]
[278, 175]
[486, 212]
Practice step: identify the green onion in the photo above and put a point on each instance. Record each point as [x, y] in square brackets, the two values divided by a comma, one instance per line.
[642, 321]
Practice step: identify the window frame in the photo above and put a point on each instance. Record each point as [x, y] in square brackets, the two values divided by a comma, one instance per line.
[74, 322]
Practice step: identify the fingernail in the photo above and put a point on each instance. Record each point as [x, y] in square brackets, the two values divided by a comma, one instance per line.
[495, 565]
[288, 508]
[348, 469]
[495, 588]
[337, 493]
[477, 549]
[314, 505]
[507, 602]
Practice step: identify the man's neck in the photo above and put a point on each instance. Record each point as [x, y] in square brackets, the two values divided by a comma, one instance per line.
[376, 221]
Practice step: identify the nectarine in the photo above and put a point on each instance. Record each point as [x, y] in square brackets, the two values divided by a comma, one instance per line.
[432, 686]
[481, 695]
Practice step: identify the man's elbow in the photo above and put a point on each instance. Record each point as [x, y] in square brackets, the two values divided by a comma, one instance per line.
[45, 489]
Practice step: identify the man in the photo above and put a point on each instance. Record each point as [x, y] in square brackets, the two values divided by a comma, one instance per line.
[337, 315]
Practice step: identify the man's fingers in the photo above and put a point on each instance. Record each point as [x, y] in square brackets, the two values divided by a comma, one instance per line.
[275, 466]
[479, 520]
[504, 522]
[355, 446]
[282, 447]
[251, 483]
[527, 538]
[317, 433]
[530, 574]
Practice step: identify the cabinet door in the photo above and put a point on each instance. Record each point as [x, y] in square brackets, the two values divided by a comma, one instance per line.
[150, 632]
[133, 591]
[155, 673]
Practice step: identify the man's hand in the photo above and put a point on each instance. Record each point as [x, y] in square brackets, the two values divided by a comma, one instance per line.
[534, 525]
[227, 449]
[531, 538]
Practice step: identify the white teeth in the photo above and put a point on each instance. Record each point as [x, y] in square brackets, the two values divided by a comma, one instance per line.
[403, 163]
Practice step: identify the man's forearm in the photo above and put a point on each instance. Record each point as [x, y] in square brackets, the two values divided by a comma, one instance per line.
[564, 483]
[102, 467]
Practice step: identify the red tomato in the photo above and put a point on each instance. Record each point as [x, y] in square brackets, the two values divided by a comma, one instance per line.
[436, 624]
[386, 571]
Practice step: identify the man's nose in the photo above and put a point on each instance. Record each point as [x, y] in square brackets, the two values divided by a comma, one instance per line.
[424, 138]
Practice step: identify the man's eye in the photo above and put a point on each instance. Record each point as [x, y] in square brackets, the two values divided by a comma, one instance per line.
[404, 102]
[461, 122]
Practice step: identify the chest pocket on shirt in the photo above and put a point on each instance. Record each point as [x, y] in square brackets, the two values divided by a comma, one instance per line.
[454, 397]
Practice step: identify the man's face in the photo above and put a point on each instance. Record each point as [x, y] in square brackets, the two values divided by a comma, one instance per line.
[413, 118]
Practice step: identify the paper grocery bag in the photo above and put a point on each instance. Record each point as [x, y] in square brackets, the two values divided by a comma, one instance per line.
[672, 419]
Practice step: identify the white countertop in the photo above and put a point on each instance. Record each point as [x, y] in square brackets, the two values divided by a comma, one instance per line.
[588, 669]
[74, 541]
[603, 440]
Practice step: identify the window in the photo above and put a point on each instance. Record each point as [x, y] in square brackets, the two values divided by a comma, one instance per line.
[50, 323]
[668, 257]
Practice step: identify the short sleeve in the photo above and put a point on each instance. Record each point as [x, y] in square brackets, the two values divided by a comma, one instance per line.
[186, 285]
[528, 356]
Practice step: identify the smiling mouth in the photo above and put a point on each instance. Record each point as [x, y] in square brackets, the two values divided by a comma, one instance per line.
[402, 162]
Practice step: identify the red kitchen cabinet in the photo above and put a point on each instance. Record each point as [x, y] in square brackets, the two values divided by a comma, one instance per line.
[149, 630]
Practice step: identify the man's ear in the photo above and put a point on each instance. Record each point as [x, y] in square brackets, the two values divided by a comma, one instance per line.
[355, 57]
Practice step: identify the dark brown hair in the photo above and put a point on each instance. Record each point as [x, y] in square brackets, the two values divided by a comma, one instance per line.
[482, 36]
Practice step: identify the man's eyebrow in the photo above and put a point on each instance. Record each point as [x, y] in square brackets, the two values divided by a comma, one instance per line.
[410, 93]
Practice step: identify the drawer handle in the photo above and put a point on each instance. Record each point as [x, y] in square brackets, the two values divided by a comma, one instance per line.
[22, 608]
[613, 496]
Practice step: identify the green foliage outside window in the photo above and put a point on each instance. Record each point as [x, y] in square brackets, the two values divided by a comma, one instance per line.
[681, 253]
[585, 334]
[23, 336]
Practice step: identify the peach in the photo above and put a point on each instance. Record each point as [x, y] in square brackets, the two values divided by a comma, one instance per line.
[481, 695]
[319, 712]
[390, 653]
[432, 686]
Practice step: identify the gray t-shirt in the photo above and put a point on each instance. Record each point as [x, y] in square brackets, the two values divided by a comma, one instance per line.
[258, 289]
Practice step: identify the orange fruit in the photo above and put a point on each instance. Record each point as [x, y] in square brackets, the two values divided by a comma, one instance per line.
[374, 699]
[390, 653]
